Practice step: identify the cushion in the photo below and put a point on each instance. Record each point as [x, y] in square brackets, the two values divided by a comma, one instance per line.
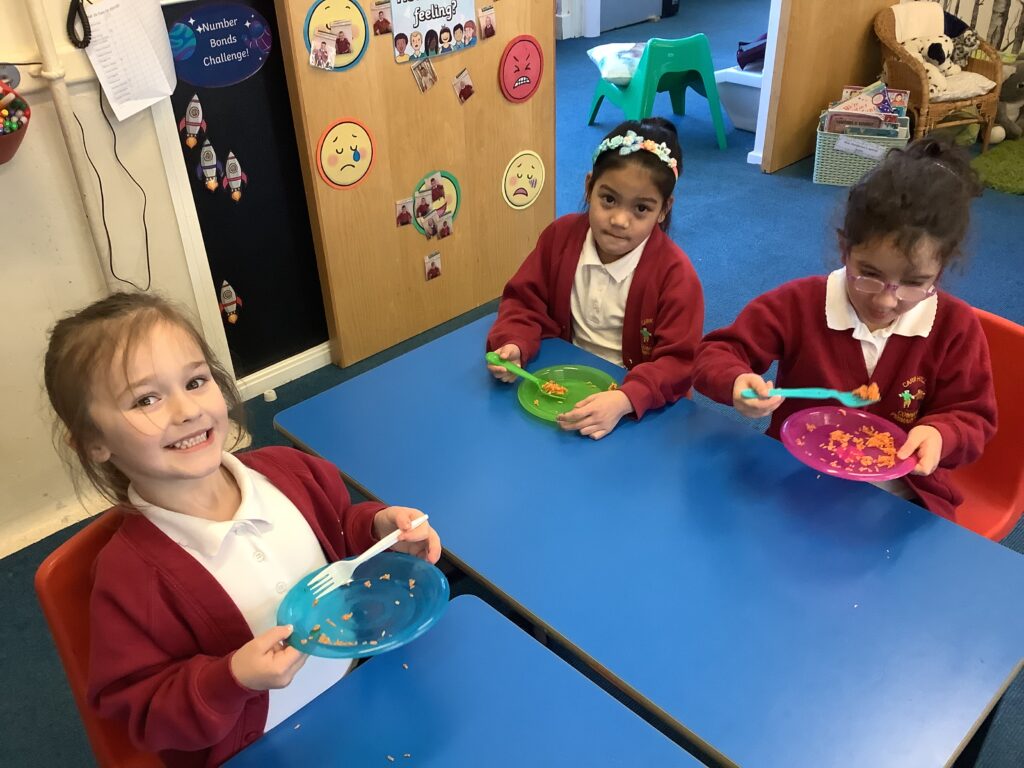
[617, 62]
[965, 85]
[918, 19]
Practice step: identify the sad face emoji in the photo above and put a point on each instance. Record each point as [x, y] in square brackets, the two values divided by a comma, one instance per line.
[345, 153]
[523, 181]
[522, 65]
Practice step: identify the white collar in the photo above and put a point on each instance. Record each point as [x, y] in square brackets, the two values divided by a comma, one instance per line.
[841, 316]
[207, 536]
[619, 269]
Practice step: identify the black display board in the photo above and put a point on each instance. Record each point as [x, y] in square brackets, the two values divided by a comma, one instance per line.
[260, 245]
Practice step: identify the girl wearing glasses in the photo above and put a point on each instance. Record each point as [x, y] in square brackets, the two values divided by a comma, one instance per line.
[881, 317]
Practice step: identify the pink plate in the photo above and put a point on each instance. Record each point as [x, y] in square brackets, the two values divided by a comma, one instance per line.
[806, 435]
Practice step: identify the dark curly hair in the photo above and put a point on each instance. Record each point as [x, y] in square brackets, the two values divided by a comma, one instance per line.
[658, 130]
[923, 190]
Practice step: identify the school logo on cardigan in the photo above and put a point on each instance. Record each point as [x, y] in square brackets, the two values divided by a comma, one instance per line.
[910, 400]
[646, 334]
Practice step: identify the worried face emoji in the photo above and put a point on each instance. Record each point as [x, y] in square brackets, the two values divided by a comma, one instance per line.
[523, 181]
[345, 153]
[522, 65]
[331, 16]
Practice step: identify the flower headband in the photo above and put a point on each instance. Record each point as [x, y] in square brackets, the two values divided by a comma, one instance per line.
[631, 143]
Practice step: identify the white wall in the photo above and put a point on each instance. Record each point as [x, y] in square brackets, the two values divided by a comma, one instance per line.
[48, 265]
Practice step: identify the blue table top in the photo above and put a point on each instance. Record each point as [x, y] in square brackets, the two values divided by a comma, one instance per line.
[786, 618]
[478, 691]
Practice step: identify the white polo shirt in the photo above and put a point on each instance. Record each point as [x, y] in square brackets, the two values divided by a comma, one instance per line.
[257, 556]
[841, 316]
[598, 303]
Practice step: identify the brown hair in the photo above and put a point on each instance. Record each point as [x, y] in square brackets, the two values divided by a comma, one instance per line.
[658, 130]
[88, 341]
[921, 191]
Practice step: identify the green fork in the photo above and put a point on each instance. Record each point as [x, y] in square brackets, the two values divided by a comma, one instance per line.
[493, 359]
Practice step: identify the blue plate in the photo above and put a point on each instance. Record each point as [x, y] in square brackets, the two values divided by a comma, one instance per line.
[381, 617]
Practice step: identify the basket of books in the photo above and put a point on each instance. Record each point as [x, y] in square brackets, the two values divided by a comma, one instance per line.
[856, 132]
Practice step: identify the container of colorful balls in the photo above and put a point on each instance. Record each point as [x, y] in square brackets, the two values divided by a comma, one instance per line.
[14, 118]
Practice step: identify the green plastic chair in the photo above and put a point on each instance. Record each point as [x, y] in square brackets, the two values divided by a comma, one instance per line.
[666, 65]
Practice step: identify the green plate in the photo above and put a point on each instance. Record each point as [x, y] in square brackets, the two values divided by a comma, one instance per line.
[581, 381]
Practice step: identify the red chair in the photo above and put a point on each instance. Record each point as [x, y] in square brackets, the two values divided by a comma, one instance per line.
[993, 486]
[63, 584]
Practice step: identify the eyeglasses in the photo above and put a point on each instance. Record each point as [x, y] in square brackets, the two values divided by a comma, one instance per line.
[910, 294]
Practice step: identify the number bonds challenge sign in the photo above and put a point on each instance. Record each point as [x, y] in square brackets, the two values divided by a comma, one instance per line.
[220, 45]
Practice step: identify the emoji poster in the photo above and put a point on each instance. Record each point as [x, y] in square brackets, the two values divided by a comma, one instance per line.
[425, 28]
[344, 153]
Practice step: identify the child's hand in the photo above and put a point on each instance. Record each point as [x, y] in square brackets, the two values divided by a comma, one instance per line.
[421, 541]
[926, 442]
[597, 415]
[265, 662]
[754, 408]
[508, 352]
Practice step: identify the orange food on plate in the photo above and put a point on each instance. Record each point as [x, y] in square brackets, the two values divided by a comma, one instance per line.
[865, 450]
[553, 388]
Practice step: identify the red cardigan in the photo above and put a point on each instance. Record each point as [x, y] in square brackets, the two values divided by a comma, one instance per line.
[664, 310]
[943, 380]
[163, 629]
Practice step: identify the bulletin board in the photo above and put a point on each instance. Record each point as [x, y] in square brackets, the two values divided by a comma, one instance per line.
[372, 270]
[249, 201]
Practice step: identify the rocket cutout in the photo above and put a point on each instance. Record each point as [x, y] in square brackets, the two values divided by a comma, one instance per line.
[209, 167]
[234, 177]
[229, 301]
[192, 122]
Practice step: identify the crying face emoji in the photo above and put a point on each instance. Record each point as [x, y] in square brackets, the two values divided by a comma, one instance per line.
[524, 180]
[345, 154]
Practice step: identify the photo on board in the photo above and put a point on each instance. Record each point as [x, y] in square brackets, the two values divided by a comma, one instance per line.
[342, 31]
[463, 85]
[403, 212]
[432, 265]
[382, 18]
[445, 227]
[321, 50]
[424, 74]
[487, 23]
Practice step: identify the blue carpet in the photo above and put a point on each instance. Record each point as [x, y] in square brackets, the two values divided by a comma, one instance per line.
[745, 231]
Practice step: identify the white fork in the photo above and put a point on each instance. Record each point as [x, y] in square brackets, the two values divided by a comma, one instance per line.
[340, 573]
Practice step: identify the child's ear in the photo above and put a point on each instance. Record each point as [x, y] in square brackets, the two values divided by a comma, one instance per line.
[666, 208]
[844, 246]
[97, 451]
[586, 185]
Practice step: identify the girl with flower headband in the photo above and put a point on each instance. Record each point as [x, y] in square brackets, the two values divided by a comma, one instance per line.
[611, 281]
[881, 318]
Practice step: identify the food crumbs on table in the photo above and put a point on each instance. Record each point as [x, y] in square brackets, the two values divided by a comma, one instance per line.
[390, 759]
[346, 616]
[405, 666]
[367, 583]
[297, 726]
[316, 628]
[383, 632]
[373, 642]
[412, 583]
[406, 755]
[411, 594]
[316, 601]
[397, 602]
[385, 577]
[323, 639]
[331, 623]
[303, 641]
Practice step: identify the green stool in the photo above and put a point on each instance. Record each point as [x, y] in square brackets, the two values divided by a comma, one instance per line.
[666, 65]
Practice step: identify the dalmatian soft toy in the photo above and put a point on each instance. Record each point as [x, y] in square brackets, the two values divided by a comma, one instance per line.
[923, 49]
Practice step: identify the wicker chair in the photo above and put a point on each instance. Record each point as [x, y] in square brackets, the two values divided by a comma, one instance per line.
[903, 71]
